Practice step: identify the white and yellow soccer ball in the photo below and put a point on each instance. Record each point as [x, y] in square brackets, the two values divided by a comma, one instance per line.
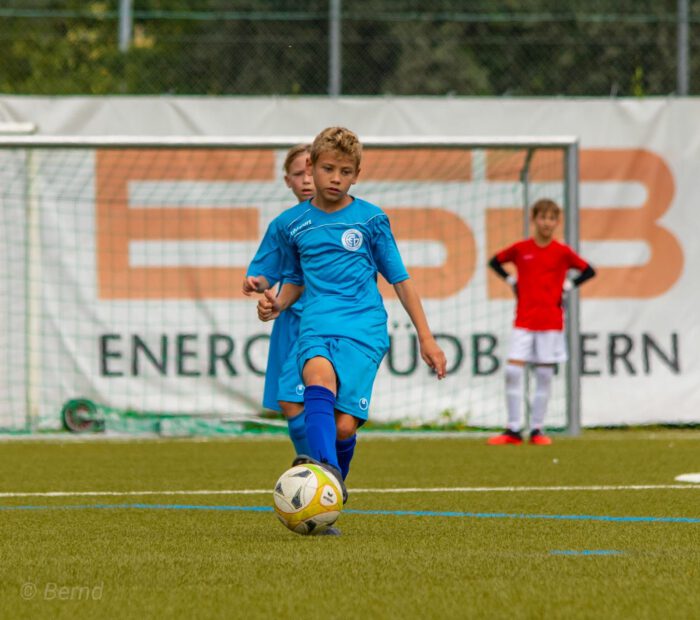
[307, 499]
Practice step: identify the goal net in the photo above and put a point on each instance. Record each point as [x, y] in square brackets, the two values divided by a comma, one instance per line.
[122, 263]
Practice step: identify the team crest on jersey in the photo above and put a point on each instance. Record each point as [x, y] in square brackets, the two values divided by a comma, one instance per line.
[364, 403]
[300, 389]
[352, 239]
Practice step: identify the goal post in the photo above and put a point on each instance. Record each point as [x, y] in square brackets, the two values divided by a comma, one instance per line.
[123, 259]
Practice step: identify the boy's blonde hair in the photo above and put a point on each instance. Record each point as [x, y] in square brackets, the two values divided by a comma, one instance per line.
[293, 153]
[545, 205]
[339, 140]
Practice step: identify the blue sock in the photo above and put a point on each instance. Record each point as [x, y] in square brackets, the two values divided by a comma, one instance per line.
[297, 433]
[345, 448]
[319, 404]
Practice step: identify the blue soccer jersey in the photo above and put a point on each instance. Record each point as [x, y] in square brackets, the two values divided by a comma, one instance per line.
[337, 256]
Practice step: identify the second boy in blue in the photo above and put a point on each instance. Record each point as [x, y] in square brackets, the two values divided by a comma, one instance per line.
[335, 248]
[284, 388]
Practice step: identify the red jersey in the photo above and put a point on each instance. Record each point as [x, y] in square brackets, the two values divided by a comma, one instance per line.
[541, 274]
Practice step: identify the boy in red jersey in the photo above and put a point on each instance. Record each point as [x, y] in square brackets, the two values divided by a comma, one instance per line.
[538, 337]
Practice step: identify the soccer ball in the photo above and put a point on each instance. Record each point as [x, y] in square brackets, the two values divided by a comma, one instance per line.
[308, 499]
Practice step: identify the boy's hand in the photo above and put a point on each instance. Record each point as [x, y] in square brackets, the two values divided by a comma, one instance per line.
[566, 288]
[513, 283]
[434, 357]
[268, 306]
[252, 284]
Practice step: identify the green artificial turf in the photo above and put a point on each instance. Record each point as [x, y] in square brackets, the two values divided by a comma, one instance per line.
[514, 553]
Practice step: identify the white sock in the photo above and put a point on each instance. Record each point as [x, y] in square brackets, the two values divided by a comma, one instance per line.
[514, 395]
[543, 388]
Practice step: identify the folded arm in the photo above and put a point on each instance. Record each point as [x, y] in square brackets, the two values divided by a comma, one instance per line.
[511, 279]
[586, 274]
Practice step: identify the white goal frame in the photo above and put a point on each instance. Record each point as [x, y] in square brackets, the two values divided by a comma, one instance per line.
[568, 145]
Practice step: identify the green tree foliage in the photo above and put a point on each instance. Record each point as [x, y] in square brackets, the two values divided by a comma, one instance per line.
[433, 59]
[76, 53]
[407, 47]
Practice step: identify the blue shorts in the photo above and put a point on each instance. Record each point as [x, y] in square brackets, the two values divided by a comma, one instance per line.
[282, 378]
[354, 368]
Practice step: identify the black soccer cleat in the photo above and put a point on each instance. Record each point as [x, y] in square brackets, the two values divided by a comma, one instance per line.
[302, 459]
[329, 531]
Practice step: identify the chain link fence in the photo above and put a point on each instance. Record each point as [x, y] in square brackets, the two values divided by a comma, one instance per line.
[351, 47]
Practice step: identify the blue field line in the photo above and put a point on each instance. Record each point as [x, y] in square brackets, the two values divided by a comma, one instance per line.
[393, 513]
[581, 552]
[505, 515]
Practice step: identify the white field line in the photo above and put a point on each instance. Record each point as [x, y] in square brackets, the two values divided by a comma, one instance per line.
[688, 478]
[115, 437]
[632, 487]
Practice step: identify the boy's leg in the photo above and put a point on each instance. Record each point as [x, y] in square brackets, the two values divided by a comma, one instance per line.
[319, 405]
[345, 449]
[296, 422]
[543, 389]
[550, 349]
[520, 351]
[356, 370]
[346, 439]
[515, 373]
[282, 363]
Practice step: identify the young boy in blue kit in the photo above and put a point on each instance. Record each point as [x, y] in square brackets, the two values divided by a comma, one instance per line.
[284, 388]
[335, 245]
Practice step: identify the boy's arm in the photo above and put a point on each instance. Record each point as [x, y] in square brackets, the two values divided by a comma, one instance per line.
[497, 266]
[586, 274]
[267, 262]
[255, 284]
[431, 353]
[270, 306]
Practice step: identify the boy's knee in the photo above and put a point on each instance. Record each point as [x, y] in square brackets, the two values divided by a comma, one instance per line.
[319, 371]
[514, 375]
[290, 410]
[345, 426]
